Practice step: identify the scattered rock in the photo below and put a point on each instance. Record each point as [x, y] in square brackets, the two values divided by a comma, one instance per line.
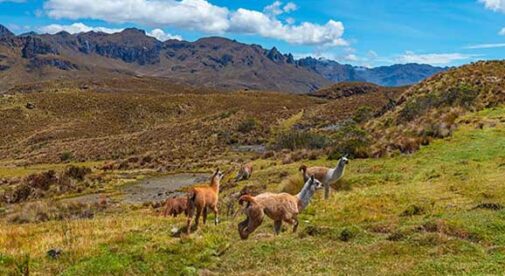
[54, 253]
[30, 105]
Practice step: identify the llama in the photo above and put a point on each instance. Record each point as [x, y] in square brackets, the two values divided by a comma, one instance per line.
[245, 172]
[175, 206]
[327, 176]
[279, 207]
[203, 198]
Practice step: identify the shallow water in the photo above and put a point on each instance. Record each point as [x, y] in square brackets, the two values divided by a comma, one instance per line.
[152, 189]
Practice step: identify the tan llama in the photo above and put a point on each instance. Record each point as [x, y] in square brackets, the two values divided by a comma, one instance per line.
[279, 207]
[200, 199]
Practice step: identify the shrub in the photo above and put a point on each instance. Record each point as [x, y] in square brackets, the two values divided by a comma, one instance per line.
[350, 139]
[66, 156]
[295, 139]
[248, 125]
[77, 172]
[363, 114]
[462, 96]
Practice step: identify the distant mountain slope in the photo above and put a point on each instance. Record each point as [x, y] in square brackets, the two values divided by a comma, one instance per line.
[211, 62]
[394, 75]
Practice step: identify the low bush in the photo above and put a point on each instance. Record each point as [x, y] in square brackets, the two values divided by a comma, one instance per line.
[296, 139]
[248, 125]
[350, 139]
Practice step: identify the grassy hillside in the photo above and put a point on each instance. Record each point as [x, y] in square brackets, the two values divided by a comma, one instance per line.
[437, 211]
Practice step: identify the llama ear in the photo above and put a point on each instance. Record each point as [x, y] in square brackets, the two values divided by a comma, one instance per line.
[311, 179]
[217, 171]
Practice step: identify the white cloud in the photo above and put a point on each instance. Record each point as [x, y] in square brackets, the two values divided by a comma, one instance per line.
[276, 8]
[486, 46]
[190, 14]
[495, 5]
[433, 59]
[160, 35]
[502, 32]
[254, 22]
[290, 7]
[200, 15]
[75, 28]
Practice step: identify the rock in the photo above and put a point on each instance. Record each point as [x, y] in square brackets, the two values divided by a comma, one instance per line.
[30, 105]
[54, 253]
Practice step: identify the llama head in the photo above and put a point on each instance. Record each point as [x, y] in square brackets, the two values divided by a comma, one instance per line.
[344, 160]
[218, 175]
[314, 183]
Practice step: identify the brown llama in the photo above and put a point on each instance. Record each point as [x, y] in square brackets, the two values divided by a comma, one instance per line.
[279, 207]
[327, 176]
[203, 198]
[175, 206]
[245, 172]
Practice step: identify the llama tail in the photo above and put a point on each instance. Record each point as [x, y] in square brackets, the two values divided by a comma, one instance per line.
[247, 198]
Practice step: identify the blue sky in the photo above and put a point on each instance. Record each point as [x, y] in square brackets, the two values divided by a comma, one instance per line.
[359, 32]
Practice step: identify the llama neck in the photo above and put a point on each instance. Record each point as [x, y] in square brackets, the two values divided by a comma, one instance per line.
[338, 171]
[214, 184]
[305, 195]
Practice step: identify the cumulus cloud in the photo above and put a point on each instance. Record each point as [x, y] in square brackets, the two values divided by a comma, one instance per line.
[502, 32]
[160, 35]
[75, 28]
[433, 59]
[254, 22]
[200, 15]
[495, 5]
[189, 14]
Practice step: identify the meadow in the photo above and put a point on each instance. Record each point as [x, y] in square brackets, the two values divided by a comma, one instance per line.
[439, 210]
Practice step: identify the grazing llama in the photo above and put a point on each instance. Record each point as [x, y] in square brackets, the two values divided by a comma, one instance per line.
[175, 206]
[279, 207]
[203, 198]
[327, 176]
[245, 172]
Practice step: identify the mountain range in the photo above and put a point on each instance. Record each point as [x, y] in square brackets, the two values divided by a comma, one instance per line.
[211, 62]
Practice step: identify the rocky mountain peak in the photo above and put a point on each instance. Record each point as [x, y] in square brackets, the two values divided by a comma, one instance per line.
[5, 33]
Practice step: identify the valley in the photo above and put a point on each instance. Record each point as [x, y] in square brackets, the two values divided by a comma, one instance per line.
[86, 165]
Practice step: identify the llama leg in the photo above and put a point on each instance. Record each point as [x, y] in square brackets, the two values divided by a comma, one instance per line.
[326, 190]
[205, 209]
[243, 226]
[277, 226]
[198, 213]
[216, 218]
[294, 222]
[191, 212]
[253, 221]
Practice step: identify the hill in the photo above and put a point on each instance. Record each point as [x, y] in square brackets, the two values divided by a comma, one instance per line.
[346, 89]
[212, 62]
[432, 108]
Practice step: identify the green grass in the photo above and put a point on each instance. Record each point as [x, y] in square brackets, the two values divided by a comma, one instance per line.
[408, 214]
